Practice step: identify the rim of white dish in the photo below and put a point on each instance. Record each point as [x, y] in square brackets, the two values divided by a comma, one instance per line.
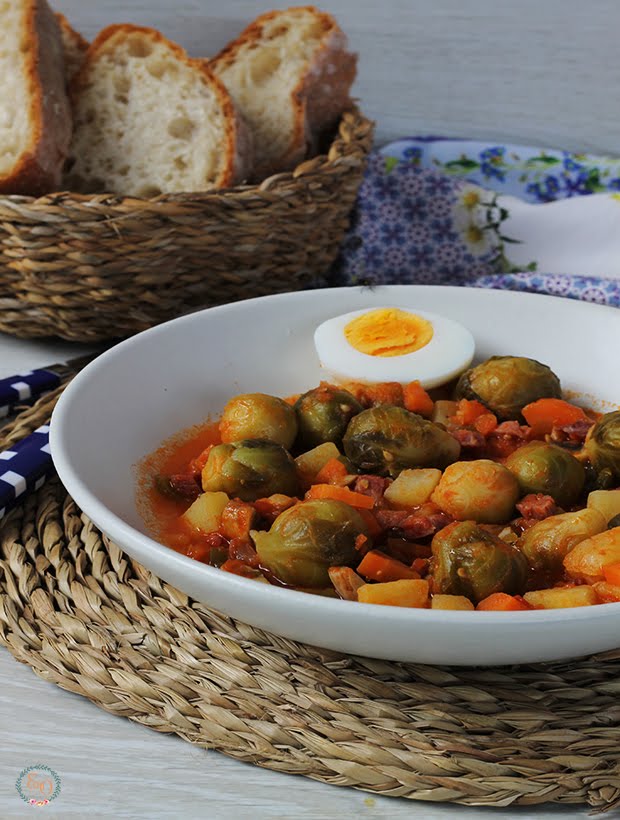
[117, 529]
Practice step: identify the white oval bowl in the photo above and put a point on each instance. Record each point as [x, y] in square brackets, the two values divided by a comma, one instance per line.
[125, 403]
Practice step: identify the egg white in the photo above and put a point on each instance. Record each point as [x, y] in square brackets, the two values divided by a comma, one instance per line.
[448, 353]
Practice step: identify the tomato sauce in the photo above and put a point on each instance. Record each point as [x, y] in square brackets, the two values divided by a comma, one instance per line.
[161, 512]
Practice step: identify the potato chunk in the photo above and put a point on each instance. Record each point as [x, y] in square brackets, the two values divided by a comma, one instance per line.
[587, 559]
[309, 463]
[562, 597]
[412, 488]
[205, 514]
[443, 411]
[412, 593]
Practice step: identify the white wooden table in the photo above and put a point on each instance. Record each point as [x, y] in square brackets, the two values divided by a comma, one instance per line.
[546, 73]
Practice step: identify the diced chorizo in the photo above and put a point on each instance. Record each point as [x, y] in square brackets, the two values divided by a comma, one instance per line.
[538, 506]
[372, 485]
[520, 525]
[512, 428]
[391, 519]
[417, 526]
[574, 433]
[506, 438]
[241, 550]
[413, 525]
[238, 518]
[200, 549]
[420, 526]
[185, 486]
[468, 439]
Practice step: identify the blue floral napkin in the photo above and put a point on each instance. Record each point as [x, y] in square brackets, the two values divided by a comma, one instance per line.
[444, 211]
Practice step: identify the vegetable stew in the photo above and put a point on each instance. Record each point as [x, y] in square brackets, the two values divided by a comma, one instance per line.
[495, 493]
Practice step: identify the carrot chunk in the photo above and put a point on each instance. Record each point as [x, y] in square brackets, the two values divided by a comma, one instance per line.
[468, 410]
[545, 414]
[420, 565]
[611, 572]
[333, 472]
[485, 423]
[271, 507]
[197, 464]
[362, 544]
[377, 566]
[417, 400]
[336, 493]
[237, 567]
[382, 393]
[501, 602]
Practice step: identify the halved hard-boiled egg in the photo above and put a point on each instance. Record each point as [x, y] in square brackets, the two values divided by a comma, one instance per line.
[391, 344]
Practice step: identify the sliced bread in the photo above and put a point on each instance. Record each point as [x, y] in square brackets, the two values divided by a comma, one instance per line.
[290, 75]
[74, 46]
[150, 120]
[35, 116]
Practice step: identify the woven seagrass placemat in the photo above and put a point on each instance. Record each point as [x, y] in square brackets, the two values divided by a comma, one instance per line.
[82, 614]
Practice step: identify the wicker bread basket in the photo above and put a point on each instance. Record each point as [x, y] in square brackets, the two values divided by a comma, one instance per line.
[93, 268]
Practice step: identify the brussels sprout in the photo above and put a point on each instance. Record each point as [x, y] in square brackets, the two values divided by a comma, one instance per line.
[548, 542]
[549, 469]
[309, 538]
[480, 490]
[259, 416]
[250, 469]
[323, 414]
[468, 560]
[387, 440]
[598, 479]
[602, 444]
[505, 384]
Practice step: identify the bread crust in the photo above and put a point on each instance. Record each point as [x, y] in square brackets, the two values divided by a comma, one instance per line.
[39, 167]
[321, 95]
[326, 88]
[237, 139]
[74, 46]
[240, 163]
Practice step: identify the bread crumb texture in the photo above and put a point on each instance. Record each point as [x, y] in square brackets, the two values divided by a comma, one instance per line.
[148, 119]
[18, 86]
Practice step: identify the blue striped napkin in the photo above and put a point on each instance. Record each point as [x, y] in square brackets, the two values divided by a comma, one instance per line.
[24, 387]
[25, 466]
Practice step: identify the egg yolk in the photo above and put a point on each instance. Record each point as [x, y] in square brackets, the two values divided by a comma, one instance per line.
[388, 332]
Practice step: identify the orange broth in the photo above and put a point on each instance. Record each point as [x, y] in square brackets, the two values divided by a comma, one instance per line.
[162, 513]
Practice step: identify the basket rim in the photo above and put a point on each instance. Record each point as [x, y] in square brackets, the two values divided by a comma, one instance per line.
[353, 140]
